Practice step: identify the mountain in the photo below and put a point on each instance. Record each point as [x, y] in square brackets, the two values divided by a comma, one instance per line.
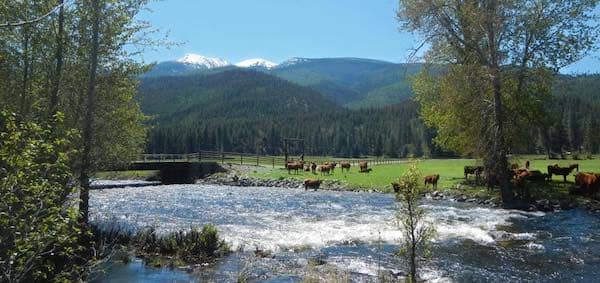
[352, 82]
[231, 94]
[257, 63]
[202, 62]
[349, 82]
[244, 110]
[188, 65]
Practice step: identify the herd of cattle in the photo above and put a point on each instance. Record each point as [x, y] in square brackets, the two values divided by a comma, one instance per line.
[326, 168]
[587, 183]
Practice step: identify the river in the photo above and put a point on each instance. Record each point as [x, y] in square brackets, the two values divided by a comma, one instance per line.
[354, 233]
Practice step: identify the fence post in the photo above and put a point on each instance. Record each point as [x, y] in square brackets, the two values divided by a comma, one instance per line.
[222, 157]
[273, 162]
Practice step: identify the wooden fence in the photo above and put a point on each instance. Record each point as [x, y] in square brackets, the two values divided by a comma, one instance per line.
[256, 159]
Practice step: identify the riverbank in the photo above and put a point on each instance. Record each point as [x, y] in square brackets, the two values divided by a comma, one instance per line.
[551, 196]
[547, 197]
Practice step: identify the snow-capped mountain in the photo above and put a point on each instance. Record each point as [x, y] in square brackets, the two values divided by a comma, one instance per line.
[203, 61]
[256, 63]
[293, 61]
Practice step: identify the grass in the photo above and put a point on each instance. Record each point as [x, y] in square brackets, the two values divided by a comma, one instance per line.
[381, 176]
[194, 246]
[450, 171]
[126, 175]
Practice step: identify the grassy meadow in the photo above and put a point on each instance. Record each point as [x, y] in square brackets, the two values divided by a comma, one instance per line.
[125, 175]
[450, 171]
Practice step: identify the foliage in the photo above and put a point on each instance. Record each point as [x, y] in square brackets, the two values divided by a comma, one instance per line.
[456, 104]
[193, 246]
[417, 231]
[246, 111]
[503, 52]
[39, 233]
[47, 67]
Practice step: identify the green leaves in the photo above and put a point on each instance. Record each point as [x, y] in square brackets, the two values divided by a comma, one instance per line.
[38, 228]
[417, 231]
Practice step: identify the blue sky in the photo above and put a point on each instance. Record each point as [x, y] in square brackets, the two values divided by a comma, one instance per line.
[280, 29]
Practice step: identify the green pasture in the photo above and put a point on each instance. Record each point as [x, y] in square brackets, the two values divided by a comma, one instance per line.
[450, 171]
[126, 175]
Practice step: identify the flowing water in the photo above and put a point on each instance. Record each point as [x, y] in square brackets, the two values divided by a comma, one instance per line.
[354, 233]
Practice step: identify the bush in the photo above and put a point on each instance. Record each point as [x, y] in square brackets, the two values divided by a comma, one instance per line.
[193, 246]
[39, 233]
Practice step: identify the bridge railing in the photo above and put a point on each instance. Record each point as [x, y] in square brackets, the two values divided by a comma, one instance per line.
[256, 159]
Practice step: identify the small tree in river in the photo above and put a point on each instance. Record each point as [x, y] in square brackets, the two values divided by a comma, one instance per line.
[417, 231]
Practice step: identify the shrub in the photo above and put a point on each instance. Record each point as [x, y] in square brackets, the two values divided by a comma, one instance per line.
[417, 230]
[39, 233]
[193, 246]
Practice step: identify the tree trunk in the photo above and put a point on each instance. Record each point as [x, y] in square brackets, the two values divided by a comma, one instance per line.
[84, 177]
[499, 162]
[26, 72]
[59, 60]
[413, 245]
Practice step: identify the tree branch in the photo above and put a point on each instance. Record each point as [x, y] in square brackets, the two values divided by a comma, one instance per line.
[32, 21]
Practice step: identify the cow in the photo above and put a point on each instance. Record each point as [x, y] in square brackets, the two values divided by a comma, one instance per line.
[364, 166]
[575, 166]
[396, 187]
[517, 172]
[529, 175]
[345, 165]
[312, 183]
[293, 165]
[313, 167]
[473, 170]
[332, 166]
[307, 168]
[324, 169]
[433, 180]
[588, 183]
[563, 171]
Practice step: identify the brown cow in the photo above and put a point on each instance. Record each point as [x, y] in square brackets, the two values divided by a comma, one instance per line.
[332, 166]
[473, 170]
[364, 166]
[293, 165]
[563, 171]
[588, 183]
[313, 167]
[396, 187]
[433, 180]
[345, 165]
[312, 183]
[529, 175]
[324, 169]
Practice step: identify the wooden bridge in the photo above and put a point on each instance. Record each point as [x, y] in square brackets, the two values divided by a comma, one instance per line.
[186, 168]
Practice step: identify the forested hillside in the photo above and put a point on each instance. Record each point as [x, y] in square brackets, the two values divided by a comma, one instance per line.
[251, 111]
[352, 82]
[349, 82]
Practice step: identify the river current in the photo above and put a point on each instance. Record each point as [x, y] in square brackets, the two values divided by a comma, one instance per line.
[355, 234]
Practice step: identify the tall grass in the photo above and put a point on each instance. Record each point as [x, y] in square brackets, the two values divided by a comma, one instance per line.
[190, 247]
